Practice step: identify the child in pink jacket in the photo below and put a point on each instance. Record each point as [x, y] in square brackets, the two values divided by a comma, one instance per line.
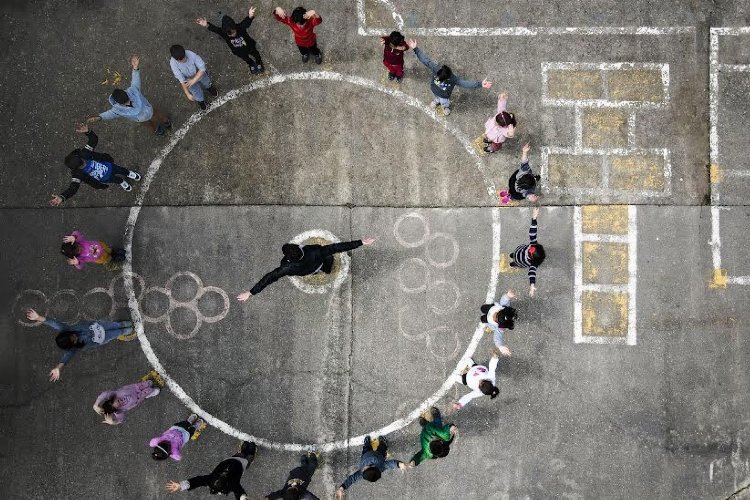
[80, 251]
[171, 441]
[113, 405]
[499, 127]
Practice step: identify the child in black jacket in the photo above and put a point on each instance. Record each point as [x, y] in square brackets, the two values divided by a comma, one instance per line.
[98, 170]
[240, 43]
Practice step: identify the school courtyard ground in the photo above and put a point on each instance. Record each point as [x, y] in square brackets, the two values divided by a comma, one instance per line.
[629, 369]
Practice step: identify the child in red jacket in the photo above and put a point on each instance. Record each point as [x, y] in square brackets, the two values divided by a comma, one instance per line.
[394, 47]
[303, 23]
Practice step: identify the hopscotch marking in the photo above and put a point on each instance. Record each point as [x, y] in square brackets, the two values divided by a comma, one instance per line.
[137, 317]
[631, 239]
[514, 30]
[718, 172]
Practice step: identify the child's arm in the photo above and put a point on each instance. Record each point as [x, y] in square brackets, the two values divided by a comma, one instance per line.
[135, 61]
[468, 397]
[525, 168]
[245, 24]
[313, 17]
[425, 60]
[493, 364]
[502, 103]
[54, 374]
[281, 16]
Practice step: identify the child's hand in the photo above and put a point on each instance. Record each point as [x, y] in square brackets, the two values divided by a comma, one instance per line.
[54, 375]
[510, 293]
[532, 290]
[201, 21]
[251, 12]
[173, 487]
[280, 12]
[535, 213]
[244, 296]
[55, 201]
[504, 350]
[32, 315]
[526, 148]
[382, 41]
[69, 239]
[486, 84]
[82, 128]
[411, 43]
[73, 261]
[310, 14]
[135, 61]
[503, 96]
[369, 240]
[109, 419]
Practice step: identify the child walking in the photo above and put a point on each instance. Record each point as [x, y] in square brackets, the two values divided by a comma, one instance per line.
[498, 317]
[522, 185]
[298, 480]
[240, 43]
[394, 47]
[190, 70]
[114, 404]
[80, 251]
[443, 80]
[303, 23]
[372, 464]
[499, 127]
[98, 170]
[132, 105]
[169, 444]
[529, 255]
[435, 438]
[481, 380]
[81, 336]
[225, 478]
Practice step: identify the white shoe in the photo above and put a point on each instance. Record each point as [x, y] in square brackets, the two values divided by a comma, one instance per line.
[446, 111]
[155, 392]
[434, 104]
[126, 187]
[132, 174]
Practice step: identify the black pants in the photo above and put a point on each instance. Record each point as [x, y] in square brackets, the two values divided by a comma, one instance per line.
[119, 174]
[190, 428]
[251, 56]
[314, 50]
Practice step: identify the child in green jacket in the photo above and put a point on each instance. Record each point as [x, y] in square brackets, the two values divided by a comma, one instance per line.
[435, 437]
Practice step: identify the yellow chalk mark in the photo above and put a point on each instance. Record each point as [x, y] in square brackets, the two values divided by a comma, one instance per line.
[635, 85]
[605, 219]
[605, 263]
[479, 144]
[604, 127]
[637, 172]
[505, 264]
[605, 314]
[579, 171]
[574, 84]
[714, 173]
[112, 77]
[719, 279]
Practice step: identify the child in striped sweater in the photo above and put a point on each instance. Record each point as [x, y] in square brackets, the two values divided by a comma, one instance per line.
[529, 256]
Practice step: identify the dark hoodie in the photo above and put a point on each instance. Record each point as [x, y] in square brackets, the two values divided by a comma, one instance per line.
[241, 41]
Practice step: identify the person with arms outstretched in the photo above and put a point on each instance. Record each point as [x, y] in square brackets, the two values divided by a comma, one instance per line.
[298, 480]
[303, 260]
[302, 22]
[372, 464]
[235, 35]
[529, 255]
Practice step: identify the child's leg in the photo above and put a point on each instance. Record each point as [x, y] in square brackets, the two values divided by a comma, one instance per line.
[196, 89]
[245, 56]
[189, 427]
[367, 446]
[253, 52]
[305, 51]
[382, 447]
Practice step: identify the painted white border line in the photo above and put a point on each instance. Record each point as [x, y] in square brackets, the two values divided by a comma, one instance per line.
[137, 318]
[512, 31]
[579, 287]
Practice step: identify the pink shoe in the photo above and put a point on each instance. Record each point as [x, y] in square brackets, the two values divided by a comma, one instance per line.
[503, 197]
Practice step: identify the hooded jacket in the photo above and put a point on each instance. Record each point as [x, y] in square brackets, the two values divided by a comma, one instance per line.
[140, 109]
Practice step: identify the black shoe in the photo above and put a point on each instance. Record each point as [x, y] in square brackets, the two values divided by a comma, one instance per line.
[260, 68]
[318, 58]
[253, 69]
[398, 79]
[201, 104]
[160, 130]
[486, 141]
[248, 449]
[305, 58]
[212, 90]
[391, 76]
[167, 124]
[488, 149]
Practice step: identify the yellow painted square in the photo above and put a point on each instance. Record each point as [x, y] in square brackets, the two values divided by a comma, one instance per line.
[605, 314]
[605, 219]
[605, 263]
[637, 172]
[575, 171]
[643, 85]
[605, 128]
[574, 84]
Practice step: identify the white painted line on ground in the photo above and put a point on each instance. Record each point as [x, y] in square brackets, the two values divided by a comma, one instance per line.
[137, 317]
[715, 241]
[632, 272]
[631, 130]
[577, 275]
[735, 173]
[739, 280]
[604, 238]
[513, 31]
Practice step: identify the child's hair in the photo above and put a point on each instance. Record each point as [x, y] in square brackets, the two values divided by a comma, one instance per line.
[440, 448]
[70, 250]
[298, 15]
[161, 450]
[65, 340]
[506, 317]
[227, 24]
[177, 52]
[73, 160]
[488, 389]
[396, 38]
[444, 73]
[526, 182]
[536, 254]
[292, 493]
[371, 473]
[108, 406]
[120, 96]
[505, 119]
[292, 252]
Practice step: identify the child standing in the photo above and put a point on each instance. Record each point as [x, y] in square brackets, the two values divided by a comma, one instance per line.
[169, 444]
[298, 480]
[303, 23]
[523, 183]
[372, 464]
[240, 43]
[80, 251]
[435, 438]
[81, 336]
[132, 105]
[499, 127]
[394, 47]
[498, 317]
[481, 380]
[530, 256]
[190, 71]
[95, 169]
[444, 81]
[113, 404]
